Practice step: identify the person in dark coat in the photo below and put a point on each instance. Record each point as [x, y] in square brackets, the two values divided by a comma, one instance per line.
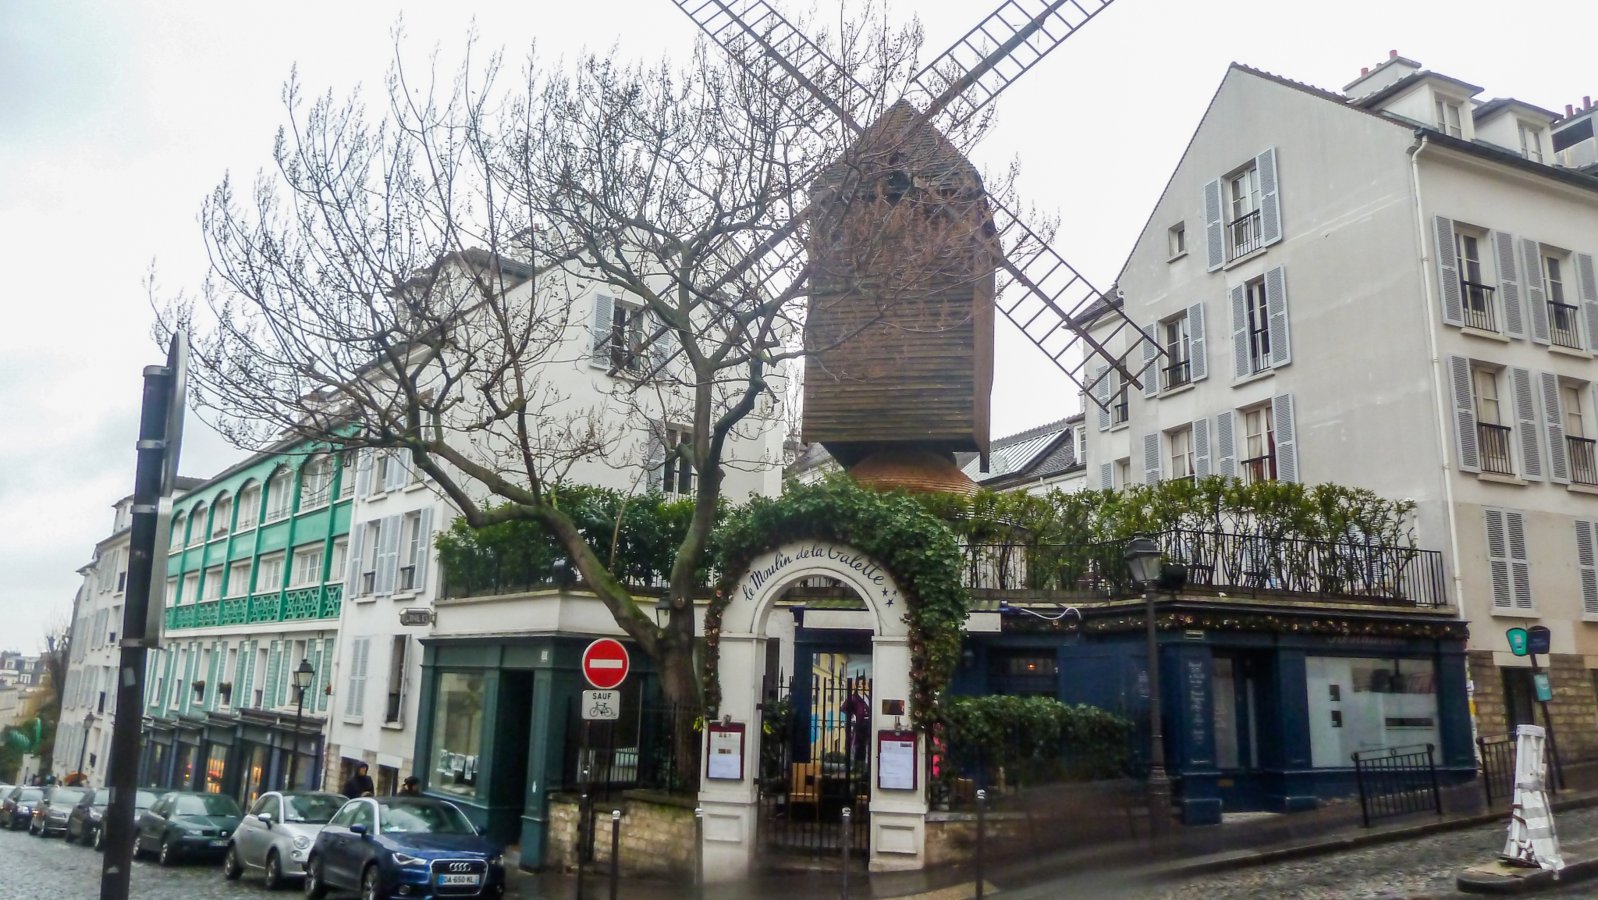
[360, 784]
[412, 787]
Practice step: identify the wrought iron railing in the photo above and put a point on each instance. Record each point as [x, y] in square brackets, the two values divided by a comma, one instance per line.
[1478, 299]
[1238, 564]
[1246, 234]
[1397, 781]
[1562, 325]
[1178, 374]
[1258, 468]
[1495, 453]
[1583, 461]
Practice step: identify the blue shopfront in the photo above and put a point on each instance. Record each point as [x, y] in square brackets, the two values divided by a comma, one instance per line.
[1263, 707]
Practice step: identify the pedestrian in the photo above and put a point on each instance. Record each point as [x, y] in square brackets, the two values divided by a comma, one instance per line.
[412, 787]
[359, 784]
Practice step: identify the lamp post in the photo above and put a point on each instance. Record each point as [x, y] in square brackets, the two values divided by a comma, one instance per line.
[662, 611]
[302, 680]
[1143, 561]
[83, 748]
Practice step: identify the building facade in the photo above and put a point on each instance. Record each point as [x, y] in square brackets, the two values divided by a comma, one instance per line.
[1390, 288]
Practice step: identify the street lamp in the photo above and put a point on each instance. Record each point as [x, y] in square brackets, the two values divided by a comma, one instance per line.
[1143, 561]
[662, 611]
[83, 749]
[302, 680]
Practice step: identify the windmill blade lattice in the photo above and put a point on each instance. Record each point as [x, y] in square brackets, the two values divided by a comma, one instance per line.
[1001, 48]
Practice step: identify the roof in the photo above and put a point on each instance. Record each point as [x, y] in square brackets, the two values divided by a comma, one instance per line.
[1503, 104]
[902, 138]
[1040, 452]
[1409, 81]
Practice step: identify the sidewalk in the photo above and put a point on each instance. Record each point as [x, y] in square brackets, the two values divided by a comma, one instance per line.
[1241, 842]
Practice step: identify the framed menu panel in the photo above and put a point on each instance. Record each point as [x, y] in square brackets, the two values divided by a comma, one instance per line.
[724, 760]
[896, 760]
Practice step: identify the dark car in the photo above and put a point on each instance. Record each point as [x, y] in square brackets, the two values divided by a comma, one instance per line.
[84, 823]
[410, 846]
[16, 810]
[50, 813]
[182, 824]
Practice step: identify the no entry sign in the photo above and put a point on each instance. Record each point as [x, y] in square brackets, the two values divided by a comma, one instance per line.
[605, 663]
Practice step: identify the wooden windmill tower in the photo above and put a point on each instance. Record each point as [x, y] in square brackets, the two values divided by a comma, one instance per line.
[901, 342]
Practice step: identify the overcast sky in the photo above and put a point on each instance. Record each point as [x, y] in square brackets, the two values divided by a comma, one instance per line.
[117, 118]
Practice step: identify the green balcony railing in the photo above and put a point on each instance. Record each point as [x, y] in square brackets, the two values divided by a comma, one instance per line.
[266, 608]
[304, 603]
[206, 613]
[332, 600]
[296, 605]
[235, 611]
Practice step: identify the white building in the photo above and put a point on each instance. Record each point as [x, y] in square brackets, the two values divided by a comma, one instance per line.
[1392, 288]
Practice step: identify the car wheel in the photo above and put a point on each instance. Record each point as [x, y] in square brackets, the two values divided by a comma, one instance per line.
[315, 889]
[274, 871]
[231, 867]
[67, 835]
[371, 884]
[99, 839]
[169, 853]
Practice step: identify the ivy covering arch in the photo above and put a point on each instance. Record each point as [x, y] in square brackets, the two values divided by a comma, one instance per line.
[916, 546]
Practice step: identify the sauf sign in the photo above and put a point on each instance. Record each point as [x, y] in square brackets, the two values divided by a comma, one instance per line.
[605, 665]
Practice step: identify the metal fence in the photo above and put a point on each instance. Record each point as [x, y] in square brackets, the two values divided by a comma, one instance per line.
[1397, 781]
[656, 748]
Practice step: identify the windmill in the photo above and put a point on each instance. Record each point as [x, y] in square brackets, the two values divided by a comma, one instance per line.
[880, 396]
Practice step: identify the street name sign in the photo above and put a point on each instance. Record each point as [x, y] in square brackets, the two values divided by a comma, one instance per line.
[605, 663]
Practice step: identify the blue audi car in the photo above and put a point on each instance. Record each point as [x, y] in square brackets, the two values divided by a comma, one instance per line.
[417, 848]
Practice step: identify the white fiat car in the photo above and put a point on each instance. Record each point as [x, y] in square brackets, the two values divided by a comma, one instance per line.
[277, 833]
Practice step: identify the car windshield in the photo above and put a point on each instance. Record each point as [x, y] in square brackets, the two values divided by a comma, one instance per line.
[315, 809]
[65, 796]
[30, 795]
[141, 799]
[206, 805]
[400, 817]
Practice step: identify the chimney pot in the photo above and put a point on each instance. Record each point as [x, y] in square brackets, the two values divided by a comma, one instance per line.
[1569, 110]
[1392, 54]
[1586, 102]
[1364, 70]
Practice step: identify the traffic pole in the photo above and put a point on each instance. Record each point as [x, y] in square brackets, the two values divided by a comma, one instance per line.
[615, 854]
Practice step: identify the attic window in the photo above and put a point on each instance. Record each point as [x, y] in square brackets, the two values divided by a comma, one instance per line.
[1176, 239]
[1448, 112]
[1531, 142]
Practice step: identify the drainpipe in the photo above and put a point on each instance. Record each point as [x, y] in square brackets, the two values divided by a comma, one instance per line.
[1441, 391]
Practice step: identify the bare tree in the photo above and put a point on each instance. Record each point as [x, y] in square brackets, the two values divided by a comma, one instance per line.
[409, 278]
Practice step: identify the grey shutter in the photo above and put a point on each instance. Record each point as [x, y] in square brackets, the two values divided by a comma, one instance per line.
[1554, 417]
[660, 352]
[171, 676]
[1448, 273]
[352, 561]
[352, 694]
[1587, 283]
[1151, 458]
[424, 548]
[325, 680]
[604, 318]
[1526, 423]
[1519, 563]
[387, 555]
[313, 650]
[1285, 431]
[1198, 365]
[1509, 284]
[363, 473]
[1106, 476]
[241, 672]
[274, 671]
[1225, 445]
[1276, 308]
[1270, 199]
[655, 458]
[1240, 363]
[1214, 228]
[1531, 256]
[399, 469]
[1151, 368]
[191, 667]
[1464, 414]
[1587, 567]
[1498, 559]
[1101, 396]
[1201, 447]
[213, 674]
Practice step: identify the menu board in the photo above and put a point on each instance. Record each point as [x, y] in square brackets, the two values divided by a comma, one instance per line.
[896, 761]
[725, 759]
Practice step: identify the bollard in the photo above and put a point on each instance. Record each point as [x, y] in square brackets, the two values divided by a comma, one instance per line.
[982, 830]
[583, 827]
[615, 854]
[699, 852]
[846, 835]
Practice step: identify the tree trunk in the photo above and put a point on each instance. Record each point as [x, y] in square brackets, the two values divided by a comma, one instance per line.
[679, 683]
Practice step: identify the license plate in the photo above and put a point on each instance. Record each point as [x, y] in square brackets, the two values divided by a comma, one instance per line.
[459, 879]
[219, 843]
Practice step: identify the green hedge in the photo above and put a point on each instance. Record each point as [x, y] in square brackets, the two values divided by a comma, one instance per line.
[1023, 741]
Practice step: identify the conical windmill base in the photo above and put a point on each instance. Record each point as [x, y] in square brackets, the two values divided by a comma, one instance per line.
[913, 469]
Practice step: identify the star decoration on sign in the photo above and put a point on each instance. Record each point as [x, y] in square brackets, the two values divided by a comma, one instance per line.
[886, 593]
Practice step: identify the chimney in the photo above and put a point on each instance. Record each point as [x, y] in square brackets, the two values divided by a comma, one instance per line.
[1392, 54]
[1586, 102]
[1364, 70]
[1569, 110]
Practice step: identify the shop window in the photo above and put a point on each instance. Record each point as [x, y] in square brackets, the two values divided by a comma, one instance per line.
[457, 733]
[1024, 673]
[1358, 703]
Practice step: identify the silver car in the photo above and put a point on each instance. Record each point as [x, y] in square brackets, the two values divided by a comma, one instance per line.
[277, 833]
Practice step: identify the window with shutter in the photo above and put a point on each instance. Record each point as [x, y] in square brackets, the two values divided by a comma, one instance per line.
[1509, 282]
[1151, 458]
[1101, 395]
[424, 549]
[1201, 447]
[1526, 424]
[1554, 417]
[1285, 432]
[1279, 346]
[1536, 297]
[1270, 198]
[1238, 295]
[1214, 226]
[1184, 465]
[1106, 476]
[1448, 287]
[604, 312]
[1587, 287]
[1225, 445]
[1151, 356]
[1498, 560]
[1198, 362]
[1519, 562]
[1459, 375]
[355, 705]
[1587, 567]
[324, 682]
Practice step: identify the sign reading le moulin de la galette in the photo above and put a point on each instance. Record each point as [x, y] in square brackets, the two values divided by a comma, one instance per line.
[764, 570]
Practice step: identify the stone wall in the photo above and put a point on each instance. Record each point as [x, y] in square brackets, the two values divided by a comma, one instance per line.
[1574, 707]
[657, 834]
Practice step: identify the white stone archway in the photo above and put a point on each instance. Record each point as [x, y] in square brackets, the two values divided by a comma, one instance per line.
[898, 818]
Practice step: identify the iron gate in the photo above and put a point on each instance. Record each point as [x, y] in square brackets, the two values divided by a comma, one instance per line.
[815, 752]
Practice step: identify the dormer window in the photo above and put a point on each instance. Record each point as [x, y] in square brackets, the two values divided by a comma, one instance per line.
[1448, 117]
[1531, 142]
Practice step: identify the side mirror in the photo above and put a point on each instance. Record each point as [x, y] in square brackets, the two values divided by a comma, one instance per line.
[358, 829]
[481, 830]
[265, 819]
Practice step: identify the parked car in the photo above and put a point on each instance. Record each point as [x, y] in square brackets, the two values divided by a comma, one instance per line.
[184, 824]
[85, 822]
[412, 846]
[50, 813]
[276, 836]
[16, 810]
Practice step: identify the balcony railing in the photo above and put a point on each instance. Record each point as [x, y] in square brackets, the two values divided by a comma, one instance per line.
[1119, 411]
[1178, 374]
[1245, 233]
[1237, 564]
[304, 603]
[1583, 461]
[1562, 325]
[1478, 300]
[1495, 457]
[1259, 468]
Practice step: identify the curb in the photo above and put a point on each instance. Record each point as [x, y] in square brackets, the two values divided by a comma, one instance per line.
[1472, 882]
